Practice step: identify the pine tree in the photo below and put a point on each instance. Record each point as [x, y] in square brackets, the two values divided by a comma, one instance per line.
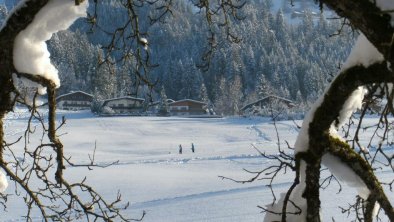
[3, 14]
[263, 88]
[221, 97]
[164, 109]
[124, 83]
[104, 81]
[235, 95]
[204, 94]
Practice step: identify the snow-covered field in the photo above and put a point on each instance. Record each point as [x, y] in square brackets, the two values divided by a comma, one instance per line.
[169, 186]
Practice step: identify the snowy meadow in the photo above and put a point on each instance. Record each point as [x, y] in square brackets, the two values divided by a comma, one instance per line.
[149, 172]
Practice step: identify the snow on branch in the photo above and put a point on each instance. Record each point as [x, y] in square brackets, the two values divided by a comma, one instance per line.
[3, 182]
[30, 50]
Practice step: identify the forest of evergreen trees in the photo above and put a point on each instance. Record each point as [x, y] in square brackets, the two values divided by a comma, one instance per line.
[291, 60]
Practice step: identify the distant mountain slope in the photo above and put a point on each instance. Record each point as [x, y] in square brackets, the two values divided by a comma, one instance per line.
[288, 50]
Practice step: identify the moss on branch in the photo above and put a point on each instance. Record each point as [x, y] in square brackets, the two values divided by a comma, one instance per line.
[363, 170]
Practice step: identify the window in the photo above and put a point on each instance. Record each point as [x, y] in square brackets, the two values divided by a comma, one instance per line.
[182, 108]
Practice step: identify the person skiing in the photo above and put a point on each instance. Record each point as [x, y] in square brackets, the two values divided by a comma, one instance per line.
[192, 147]
[180, 149]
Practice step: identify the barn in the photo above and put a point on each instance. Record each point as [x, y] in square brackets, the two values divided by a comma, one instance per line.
[187, 107]
[265, 105]
[125, 105]
[75, 100]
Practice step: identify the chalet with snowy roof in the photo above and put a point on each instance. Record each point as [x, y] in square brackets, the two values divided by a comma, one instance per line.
[187, 107]
[75, 100]
[264, 105]
[125, 105]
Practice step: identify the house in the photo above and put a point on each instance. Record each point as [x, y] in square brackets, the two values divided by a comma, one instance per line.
[124, 105]
[75, 100]
[187, 107]
[265, 105]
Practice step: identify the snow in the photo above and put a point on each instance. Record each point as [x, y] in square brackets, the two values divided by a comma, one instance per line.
[302, 142]
[352, 104]
[295, 10]
[3, 182]
[173, 187]
[296, 197]
[363, 53]
[345, 174]
[30, 50]
[144, 42]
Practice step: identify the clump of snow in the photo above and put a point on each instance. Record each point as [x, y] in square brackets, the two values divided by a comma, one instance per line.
[352, 104]
[375, 210]
[295, 197]
[363, 53]
[3, 182]
[144, 42]
[343, 173]
[301, 144]
[108, 110]
[30, 50]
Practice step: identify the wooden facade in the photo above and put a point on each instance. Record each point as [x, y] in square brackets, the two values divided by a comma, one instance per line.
[187, 107]
[76, 100]
[125, 105]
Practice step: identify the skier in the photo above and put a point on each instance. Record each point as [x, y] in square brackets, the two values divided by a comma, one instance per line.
[180, 149]
[192, 147]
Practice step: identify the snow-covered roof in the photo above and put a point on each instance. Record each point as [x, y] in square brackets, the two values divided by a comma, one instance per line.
[265, 98]
[123, 97]
[186, 100]
[74, 92]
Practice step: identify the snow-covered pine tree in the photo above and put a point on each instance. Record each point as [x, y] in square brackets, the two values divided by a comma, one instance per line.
[164, 109]
[3, 13]
[264, 87]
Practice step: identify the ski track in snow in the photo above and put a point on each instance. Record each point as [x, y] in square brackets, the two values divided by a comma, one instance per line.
[291, 127]
[209, 194]
[260, 133]
[165, 201]
[102, 124]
